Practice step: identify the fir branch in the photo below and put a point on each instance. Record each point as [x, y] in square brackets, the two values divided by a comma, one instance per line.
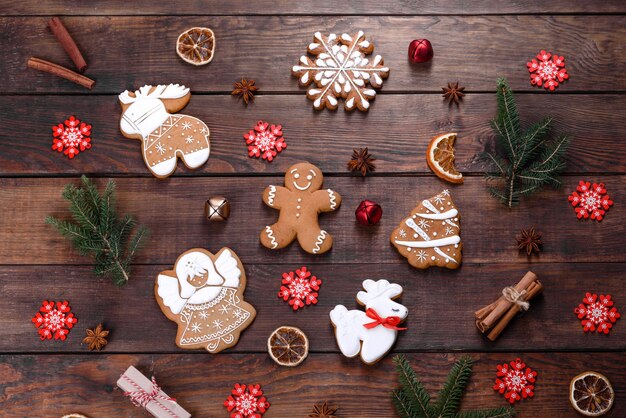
[450, 396]
[402, 404]
[412, 387]
[97, 229]
[504, 412]
[529, 161]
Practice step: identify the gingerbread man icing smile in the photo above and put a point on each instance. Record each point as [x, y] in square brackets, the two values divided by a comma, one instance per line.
[300, 202]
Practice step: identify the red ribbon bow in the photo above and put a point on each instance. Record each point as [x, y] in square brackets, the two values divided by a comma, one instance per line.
[390, 322]
[141, 398]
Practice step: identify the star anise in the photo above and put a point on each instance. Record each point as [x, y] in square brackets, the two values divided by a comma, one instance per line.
[361, 161]
[323, 411]
[96, 338]
[453, 93]
[245, 89]
[529, 240]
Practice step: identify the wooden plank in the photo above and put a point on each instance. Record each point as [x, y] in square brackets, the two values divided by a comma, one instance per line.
[173, 210]
[125, 52]
[440, 305]
[201, 384]
[392, 130]
[324, 7]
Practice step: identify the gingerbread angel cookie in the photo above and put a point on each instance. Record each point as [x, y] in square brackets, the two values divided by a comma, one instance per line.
[300, 202]
[203, 294]
[430, 235]
[165, 136]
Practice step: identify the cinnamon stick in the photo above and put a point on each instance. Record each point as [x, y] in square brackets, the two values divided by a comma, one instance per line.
[63, 36]
[503, 305]
[534, 289]
[60, 71]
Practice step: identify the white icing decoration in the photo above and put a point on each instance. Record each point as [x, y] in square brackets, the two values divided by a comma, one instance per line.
[333, 199]
[371, 343]
[445, 215]
[270, 235]
[271, 195]
[441, 242]
[320, 239]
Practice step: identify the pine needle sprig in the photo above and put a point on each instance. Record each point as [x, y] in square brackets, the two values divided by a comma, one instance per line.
[98, 230]
[523, 162]
[412, 400]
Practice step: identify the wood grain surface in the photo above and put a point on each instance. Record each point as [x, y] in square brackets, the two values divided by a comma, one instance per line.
[128, 44]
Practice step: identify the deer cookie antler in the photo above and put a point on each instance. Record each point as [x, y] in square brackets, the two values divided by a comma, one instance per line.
[162, 91]
[374, 289]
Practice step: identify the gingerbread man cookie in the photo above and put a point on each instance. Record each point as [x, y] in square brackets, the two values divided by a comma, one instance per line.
[146, 116]
[300, 202]
[203, 294]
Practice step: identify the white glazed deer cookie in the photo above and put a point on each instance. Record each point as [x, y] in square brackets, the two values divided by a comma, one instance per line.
[203, 294]
[371, 333]
[300, 202]
[165, 136]
[429, 236]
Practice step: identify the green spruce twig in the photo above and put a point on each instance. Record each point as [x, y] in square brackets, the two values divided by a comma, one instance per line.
[98, 230]
[412, 400]
[523, 162]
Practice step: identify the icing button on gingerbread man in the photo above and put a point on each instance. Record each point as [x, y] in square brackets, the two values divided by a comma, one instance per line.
[300, 202]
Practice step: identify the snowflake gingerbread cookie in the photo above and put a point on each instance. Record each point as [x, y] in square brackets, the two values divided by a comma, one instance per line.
[597, 313]
[371, 333]
[429, 236]
[56, 321]
[265, 141]
[165, 136]
[300, 202]
[515, 381]
[71, 137]
[590, 200]
[548, 72]
[299, 288]
[246, 402]
[203, 294]
[341, 70]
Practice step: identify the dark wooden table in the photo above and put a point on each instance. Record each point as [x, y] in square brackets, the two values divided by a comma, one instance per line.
[128, 44]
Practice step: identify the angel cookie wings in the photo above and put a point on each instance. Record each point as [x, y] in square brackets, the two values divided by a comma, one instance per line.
[203, 294]
[430, 235]
[147, 116]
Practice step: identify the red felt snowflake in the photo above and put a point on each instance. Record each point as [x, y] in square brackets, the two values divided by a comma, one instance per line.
[55, 322]
[265, 141]
[547, 72]
[591, 200]
[73, 137]
[248, 403]
[515, 381]
[597, 313]
[299, 288]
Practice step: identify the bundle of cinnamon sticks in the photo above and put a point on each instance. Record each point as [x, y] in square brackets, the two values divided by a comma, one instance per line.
[493, 318]
[70, 47]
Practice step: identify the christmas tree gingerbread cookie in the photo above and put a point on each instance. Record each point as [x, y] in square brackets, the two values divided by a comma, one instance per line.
[300, 202]
[147, 116]
[430, 235]
[203, 294]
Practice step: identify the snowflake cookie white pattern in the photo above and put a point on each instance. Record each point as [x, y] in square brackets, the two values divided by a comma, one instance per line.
[371, 333]
[430, 235]
[203, 294]
[146, 116]
[341, 70]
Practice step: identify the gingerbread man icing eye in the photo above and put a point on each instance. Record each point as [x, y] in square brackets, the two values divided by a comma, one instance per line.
[296, 176]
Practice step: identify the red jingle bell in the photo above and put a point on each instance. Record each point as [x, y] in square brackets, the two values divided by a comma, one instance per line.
[420, 50]
[368, 213]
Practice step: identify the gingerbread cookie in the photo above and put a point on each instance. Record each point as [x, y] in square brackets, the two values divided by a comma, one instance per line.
[430, 235]
[300, 202]
[203, 294]
[146, 116]
[371, 333]
[341, 70]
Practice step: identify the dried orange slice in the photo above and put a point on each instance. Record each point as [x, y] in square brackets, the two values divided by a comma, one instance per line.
[591, 394]
[440, 158]
[288, 346]
[196, 45]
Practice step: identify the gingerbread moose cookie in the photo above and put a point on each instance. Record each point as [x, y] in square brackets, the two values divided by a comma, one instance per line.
[146, 116]
[300, 202]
